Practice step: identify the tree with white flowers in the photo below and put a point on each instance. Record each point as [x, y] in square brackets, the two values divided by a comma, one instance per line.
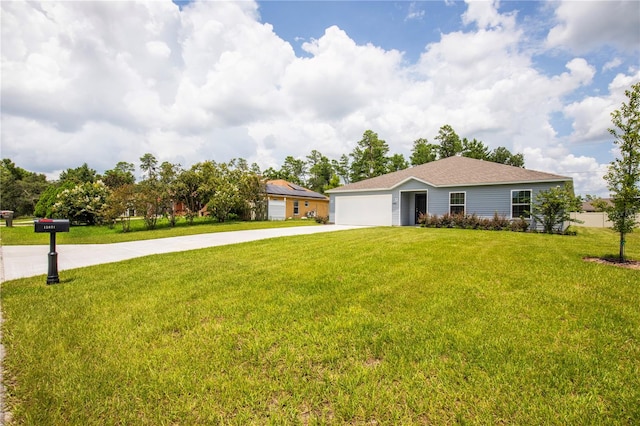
[83, 203]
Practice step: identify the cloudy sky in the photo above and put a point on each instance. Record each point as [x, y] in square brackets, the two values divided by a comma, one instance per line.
[107, 81]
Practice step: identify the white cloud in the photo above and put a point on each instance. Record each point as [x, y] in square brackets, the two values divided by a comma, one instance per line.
[340, 77]
[485, 15]
[586, 25]
[75, 67]
[484, 86]
[612, 64]
[101, 145]
[592, 115]
[586, 172]
[158, 48]
[415, 13]
[233, 64]
[109, 81]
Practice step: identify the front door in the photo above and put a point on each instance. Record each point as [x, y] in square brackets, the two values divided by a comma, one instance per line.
[421, 205]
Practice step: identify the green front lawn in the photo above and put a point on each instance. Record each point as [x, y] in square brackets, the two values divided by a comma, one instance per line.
[24, 235]
[370, 326]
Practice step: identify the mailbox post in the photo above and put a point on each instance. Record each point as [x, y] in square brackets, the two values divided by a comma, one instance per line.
[7, 215]
[52, 226]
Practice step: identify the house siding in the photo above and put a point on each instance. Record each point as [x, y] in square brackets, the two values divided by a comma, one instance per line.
[487, 187]
[316, 208]
[320, 207]
[404, 209]
[283, 195]
[484, 200]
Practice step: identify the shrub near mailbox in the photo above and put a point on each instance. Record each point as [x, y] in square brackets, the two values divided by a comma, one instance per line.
[52, 226]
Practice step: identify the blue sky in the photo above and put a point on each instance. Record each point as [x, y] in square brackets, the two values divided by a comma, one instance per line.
[109, 81]
[405, 26]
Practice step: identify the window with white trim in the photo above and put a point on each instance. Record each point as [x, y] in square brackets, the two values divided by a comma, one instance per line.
[296, 210]
[457, 202]
[521, 204]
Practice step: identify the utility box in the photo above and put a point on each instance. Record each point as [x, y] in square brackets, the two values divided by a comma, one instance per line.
[51, 225]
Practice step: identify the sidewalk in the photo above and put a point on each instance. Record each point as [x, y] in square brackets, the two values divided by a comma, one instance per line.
[27, 261]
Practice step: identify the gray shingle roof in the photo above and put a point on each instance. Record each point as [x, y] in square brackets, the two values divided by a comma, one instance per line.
[455, 171]
[587, 206]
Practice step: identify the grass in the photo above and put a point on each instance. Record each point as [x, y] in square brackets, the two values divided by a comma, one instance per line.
[379, 325]
[24, 235]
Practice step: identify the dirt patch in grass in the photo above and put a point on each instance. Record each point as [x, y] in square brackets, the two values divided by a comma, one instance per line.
[629, 264]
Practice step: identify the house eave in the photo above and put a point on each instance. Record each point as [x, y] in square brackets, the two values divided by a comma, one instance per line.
[345, 191]
[302, 197]
[457, 185]
[515, 182]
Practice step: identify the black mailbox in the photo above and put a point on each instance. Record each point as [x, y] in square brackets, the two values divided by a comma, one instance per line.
[51, 225]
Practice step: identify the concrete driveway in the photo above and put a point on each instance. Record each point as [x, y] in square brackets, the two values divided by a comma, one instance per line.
[28, 261]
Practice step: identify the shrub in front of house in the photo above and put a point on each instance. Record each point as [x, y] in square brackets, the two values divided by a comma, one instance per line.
[463, 221]
[322, 219]
[519, 225]
[500, 222]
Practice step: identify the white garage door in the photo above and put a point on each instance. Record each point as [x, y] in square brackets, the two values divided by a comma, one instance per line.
[277, 209]
[363, 210]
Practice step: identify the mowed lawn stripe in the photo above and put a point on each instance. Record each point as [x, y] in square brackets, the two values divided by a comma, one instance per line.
[393, 325]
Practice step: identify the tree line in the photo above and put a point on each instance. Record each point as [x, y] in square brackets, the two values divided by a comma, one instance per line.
[371, 158]
[221, 190]
[224, 190]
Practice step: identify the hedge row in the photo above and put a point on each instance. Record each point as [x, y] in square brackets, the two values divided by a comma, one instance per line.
[465, 221]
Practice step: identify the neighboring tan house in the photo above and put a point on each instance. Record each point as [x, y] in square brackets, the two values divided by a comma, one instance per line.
[287, 200]
[451, 185]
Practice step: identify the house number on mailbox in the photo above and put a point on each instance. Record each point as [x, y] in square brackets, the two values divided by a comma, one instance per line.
[52, 226]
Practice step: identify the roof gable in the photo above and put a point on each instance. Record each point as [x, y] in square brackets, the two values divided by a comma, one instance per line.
[455, 171]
